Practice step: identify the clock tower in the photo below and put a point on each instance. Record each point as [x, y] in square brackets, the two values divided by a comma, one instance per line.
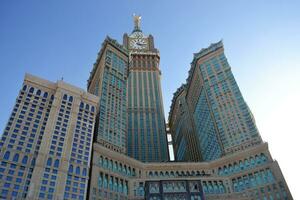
[146, 133]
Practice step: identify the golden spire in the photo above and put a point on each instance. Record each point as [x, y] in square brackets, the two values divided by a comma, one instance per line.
[137, 22]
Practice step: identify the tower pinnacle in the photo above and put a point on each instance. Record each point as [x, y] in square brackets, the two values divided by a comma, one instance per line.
[137, 22]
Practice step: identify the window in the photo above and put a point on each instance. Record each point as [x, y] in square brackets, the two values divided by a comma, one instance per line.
[6, 155]
[49, 162]
[65, 97]
[31, 90]
[16, 157]
[71, 99]
[56, 163]
[71, 169]
[84, 172]
[38, 92]
[77, 170]
[18, 180]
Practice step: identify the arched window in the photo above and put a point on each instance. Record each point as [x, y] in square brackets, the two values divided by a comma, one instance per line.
[247, 164]
[70, 169]
[150, 174]
[16, 157]
[31, 90]
[24, 87]
[258, 160]
[65, 97]
[124, 169]
[252, 161]
[84, 172]
[241, 164]
[105, 163]
[6, 155]
[45, 94]
[71, 99]
[236, 167]
[93, 109]
[87, 107]
[220, 171]
[100, 161]
[49, 162]
[38, 92]
[52, 97]
[263, 157]
[81, 105]
[172, 173]
[110, 183]
[167, 174]
[120, 167]
[225, 170]
[24, 160]
[110, 164]
[33, 162]
[129, 171]
[77, 170]
[230, 168]
[56, 163]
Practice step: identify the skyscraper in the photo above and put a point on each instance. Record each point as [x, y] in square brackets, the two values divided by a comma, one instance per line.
[218, 150]
[45, 149]
[64, 143]
[147, 140]
[221, 120]
[108, 80]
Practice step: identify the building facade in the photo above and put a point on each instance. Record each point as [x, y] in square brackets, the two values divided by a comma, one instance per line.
[146, 137]
[108, 80]
[62, 142]
[185, 142]
[45, 150]
[248, 174]
[221, 120]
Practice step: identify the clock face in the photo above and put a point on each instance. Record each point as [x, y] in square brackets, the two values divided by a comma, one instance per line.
[138, 43]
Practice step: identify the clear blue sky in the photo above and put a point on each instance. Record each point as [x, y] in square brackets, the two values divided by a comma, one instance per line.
[54, 38]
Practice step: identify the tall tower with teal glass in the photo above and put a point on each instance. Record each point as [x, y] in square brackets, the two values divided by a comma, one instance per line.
[108, 81]
[233, 119]
[146, 133]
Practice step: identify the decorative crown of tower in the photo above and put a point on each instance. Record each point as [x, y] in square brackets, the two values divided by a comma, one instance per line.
[137, 23]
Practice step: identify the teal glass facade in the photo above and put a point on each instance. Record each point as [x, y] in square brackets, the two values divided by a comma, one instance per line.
[109, 81]
[206, 132]
[235, 124]
[146, 138]
[221, 121]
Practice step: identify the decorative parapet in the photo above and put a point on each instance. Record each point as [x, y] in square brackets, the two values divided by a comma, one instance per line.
[203, 52]
[112, 42]
[175, 95]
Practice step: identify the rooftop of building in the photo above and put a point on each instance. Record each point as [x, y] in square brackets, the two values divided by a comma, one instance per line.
[114, 43]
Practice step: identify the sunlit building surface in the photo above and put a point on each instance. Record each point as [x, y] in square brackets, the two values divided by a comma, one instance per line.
[46, 145]
[61, 142]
